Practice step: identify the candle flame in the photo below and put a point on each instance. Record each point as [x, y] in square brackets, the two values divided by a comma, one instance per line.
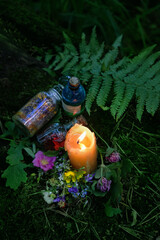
[80, 139]
[82, 136]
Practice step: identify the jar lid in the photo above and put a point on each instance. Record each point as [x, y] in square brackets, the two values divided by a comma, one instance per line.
[74, 82]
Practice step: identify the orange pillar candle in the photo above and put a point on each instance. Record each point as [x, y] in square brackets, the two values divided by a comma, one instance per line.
[80, 143]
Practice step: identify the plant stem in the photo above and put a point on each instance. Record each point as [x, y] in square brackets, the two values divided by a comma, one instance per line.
[99, 136]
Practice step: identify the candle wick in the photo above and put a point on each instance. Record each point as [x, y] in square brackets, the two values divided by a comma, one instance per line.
[78, 142]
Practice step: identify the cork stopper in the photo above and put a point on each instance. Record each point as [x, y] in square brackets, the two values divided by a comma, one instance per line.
[74, 82]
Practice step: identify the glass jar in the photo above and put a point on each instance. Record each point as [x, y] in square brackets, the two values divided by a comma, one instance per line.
[57, 131]
[38, 110]
[73, 97]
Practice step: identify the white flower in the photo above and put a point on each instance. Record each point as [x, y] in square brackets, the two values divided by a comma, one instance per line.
[47, 198]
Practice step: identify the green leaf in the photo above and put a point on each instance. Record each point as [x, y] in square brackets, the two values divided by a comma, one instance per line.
[10, 129]
[109, 151]
[29, 151]
[50, 153]
[14, 153]
[116, 190]
[103, 171]
[10, 125]
[96, 192]
[15, 174]
[111, 211]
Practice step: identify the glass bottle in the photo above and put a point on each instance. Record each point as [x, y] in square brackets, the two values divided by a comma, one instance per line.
[57, 132]
[38, 110]
[73, 96]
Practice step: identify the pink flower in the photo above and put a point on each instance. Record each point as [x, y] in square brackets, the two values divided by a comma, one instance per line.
[113, 157]
[44, 162]
[103, 184]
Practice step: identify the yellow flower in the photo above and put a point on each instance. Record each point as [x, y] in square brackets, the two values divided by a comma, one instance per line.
[69, 176]
[80, 174]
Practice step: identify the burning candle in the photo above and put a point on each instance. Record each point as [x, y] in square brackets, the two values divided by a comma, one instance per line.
[80, 143]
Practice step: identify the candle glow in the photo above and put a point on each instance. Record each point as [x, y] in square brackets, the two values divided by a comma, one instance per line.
[81, 146]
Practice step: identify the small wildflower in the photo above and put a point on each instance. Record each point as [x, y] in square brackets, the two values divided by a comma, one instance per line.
[69, 176]
[89, 177]
[59, 198]
[74, 191]
[103, 184]
[47, 197]
[62, 204]
[113, 157]
[84, 192]
[44, 162]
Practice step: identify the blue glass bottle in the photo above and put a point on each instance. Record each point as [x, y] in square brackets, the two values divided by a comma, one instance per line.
[73, 97]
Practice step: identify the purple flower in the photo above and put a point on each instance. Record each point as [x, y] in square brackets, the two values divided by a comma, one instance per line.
[73, 190]
[59, 199]
[89, 177]
[44, 162]
[103, 184]
[84, 192]
[113, 157]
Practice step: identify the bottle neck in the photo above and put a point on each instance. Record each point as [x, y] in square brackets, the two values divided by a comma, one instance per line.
[67, 126]
[56, 92]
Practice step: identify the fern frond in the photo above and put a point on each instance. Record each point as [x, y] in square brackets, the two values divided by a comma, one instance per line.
[67, 38]
[85, 77]
[64, 60]
[104, 90]
[71, 48]
[53, 64]
[70, 65]
[99, 52]
[119, 90]
[83, 47]
[128, 95]
[93, 43]
[152, 102]
[137, 77]
[93, 90]
[110, 57]
[141, 75]
[141, 94]
[135, 63]
[122, 63]
[117, 42]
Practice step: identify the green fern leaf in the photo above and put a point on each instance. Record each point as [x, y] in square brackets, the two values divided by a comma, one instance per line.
[117, 42]
[83, 47]
[110, 57]
[67, 38]
[65, 59]
[141, 75]
[134, 64]
[119, 89]
[93, 44]
[129, 92]
[93, 90]
[141, 94]
[152, 102]
[85, 77]
[104, 90]
[70, 65]
[56, 61]
[71, 48]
